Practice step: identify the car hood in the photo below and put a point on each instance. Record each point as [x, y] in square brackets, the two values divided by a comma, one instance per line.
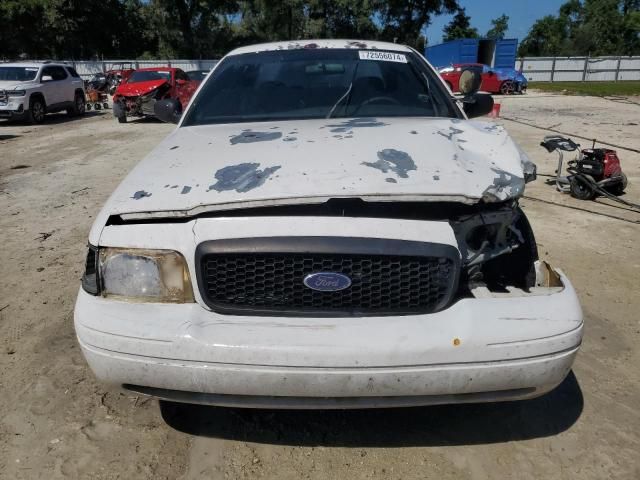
[138, 88]
[14, 85]
[218, 167]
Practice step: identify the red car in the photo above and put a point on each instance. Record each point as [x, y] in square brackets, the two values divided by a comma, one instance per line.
[492, 81]
[136, 96]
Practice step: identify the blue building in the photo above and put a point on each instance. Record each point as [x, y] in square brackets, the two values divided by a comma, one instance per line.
[494, 53]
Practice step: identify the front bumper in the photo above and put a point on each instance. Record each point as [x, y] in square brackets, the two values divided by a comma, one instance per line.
[490, 347]
[12, 109]
[197, 356]
[259, 386]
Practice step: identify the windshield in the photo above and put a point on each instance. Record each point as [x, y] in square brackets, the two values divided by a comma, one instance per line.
[148, 75]
[323, 83]
[20, 74]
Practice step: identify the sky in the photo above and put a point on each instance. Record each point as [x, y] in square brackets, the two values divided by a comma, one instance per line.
[522, 14]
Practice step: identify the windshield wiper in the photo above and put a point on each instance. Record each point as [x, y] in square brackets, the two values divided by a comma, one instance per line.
[335, 105]
[346, 94]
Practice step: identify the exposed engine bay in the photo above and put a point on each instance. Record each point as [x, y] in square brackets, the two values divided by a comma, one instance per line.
[143, 104]
[496, 242]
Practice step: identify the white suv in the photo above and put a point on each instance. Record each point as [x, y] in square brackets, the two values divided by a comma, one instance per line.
[31, 90]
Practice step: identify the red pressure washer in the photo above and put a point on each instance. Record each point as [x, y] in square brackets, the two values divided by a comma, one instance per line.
[595, 171]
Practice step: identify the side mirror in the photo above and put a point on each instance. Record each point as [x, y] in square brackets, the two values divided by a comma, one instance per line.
[168, 111]
[47, 78]
[477, 105]
[469, 82]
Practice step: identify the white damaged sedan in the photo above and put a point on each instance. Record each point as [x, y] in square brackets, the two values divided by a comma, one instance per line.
[326, 228]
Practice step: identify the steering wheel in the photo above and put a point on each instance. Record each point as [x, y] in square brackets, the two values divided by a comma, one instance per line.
[377, 99]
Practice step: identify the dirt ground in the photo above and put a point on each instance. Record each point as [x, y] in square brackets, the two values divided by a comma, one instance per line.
[57, 422]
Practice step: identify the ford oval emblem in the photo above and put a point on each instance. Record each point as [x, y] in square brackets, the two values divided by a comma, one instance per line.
[327, 281]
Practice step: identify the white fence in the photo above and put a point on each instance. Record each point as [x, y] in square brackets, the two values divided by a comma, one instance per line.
[87, 69]
[538, 69]
[576, 69]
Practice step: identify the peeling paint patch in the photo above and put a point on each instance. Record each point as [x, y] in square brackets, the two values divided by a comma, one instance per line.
[352, 123]
[354, 44]
[174, 186]
[249, 136]
[436, 177]
[413, 132]
[140, 194]
[391, 160]
[242, 177]
[390, 180]
[505, 186]
[186, 189]
[449, 135]
[174, 147]
[289, 139]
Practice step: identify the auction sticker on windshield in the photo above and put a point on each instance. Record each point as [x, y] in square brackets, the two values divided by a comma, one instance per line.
[382, 56]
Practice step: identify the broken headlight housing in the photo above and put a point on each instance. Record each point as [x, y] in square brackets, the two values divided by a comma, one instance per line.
[138, 274]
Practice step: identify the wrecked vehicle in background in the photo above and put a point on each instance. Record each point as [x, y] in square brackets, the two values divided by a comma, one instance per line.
[325, 228]
[137, 96]
[198, 75]
[504, 81]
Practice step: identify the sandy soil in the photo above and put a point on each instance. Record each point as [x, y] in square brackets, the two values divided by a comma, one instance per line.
[57, 422]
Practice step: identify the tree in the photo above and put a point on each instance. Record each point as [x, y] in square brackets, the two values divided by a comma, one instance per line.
[631, 27]
[81, 29]
[545, 38]
[588, 27]
[459, 27]
[499, 27]
[340, 19]
[185, 27]
[404, 21]
[272, 20]
[18, 36]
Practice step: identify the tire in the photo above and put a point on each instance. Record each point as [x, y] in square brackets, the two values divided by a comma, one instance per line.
[105, 105]
[98, 106]
[580, 189]
[37, 111]
[122, 119]
[88, 107]
[507, 87]
[618, 189]
[79, 106]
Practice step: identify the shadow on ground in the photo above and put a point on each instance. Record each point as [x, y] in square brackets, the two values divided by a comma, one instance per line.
[8, 137]
[469, 424]
[53, 119]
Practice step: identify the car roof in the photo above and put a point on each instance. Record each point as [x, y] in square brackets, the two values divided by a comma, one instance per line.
[156, 69]
[34, 64]
[302, 44]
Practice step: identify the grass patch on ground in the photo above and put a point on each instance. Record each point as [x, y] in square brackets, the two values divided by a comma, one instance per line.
[597, 89]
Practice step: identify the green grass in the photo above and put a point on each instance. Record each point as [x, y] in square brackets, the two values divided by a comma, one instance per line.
[597, 89]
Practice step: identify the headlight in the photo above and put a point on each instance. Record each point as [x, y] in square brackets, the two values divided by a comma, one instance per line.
[137, 274]
[16, 93]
